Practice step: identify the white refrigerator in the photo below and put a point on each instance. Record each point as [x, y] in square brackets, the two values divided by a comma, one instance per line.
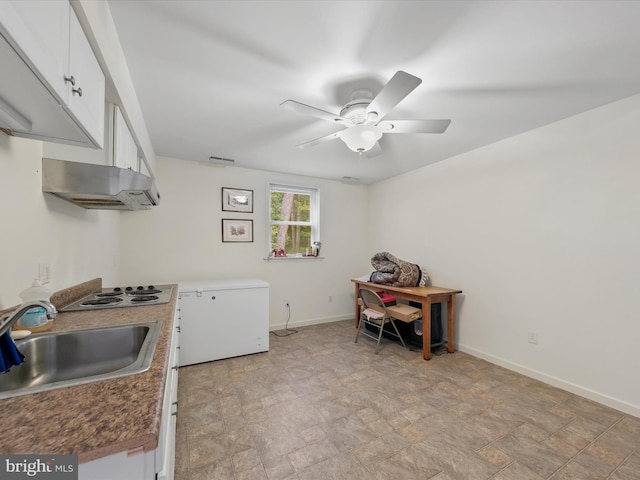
[222, 319]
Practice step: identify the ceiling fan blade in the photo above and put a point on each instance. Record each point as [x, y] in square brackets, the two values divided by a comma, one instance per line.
[313, 111]
[326, 138]
[400, 85]
[414, 126]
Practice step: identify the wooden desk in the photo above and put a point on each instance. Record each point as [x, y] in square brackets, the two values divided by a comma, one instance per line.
[425, 296]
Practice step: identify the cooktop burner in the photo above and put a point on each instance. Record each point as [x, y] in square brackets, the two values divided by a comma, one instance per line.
[122, 297]
[101, 301]
[146, 291]
[108, 294]
[145, 298]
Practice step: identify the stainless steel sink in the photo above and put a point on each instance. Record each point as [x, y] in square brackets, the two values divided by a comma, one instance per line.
[64, 359]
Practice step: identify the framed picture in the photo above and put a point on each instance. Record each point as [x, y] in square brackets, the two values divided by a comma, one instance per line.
[237, 230]
[235, 200]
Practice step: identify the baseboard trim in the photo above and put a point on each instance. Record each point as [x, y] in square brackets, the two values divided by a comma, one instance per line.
[313, 321]
[556, 382]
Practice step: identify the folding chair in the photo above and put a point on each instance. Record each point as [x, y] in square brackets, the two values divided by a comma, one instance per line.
[374, 313]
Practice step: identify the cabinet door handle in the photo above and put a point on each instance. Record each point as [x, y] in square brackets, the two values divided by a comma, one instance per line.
[77, 90]
[174, 367]
[70, 79]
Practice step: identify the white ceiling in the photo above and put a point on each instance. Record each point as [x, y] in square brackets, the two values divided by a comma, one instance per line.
[211, 75]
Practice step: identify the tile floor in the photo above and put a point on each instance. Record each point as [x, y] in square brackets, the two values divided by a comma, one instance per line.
[318, 406]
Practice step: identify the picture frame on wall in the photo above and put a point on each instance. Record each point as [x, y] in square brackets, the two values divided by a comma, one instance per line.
[237, 230]
[237, 200]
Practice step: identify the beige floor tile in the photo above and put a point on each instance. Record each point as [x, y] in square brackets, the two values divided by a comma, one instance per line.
[538, 457]
[246, 460]
[273, 440]
[312, 454]
[584, 467]
[516, 471]
[222, 470]
[408, 464]
[279, 468]
[629, 468]
[348, 432]
[343, 466]
[202, 432]
[313, 434]
[495, 456]
[255, 473]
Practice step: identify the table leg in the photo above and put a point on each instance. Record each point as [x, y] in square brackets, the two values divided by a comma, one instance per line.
[357, 305]
[426, 329]
[451, 315]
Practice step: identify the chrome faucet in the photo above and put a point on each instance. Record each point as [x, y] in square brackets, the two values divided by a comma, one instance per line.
[12, 317]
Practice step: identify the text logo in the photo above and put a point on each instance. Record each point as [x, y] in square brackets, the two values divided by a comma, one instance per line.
[39, 467]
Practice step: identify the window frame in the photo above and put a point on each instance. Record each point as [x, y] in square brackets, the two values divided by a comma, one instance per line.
[314, 214]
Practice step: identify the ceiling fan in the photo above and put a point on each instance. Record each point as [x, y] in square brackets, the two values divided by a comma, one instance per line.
[363, 115]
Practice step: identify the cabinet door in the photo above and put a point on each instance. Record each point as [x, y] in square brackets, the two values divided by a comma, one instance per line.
[166, 451]
[39, 31]
[125, 150]
[122, 466]
[86, 98]
[47, 38]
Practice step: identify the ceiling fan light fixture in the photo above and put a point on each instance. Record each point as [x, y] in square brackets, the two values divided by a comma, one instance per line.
[361, 138]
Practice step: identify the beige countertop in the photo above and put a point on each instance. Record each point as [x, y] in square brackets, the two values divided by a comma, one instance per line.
[96, 419]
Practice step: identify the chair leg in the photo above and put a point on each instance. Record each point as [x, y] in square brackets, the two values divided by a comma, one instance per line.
[358, 330]
[397, 332]
[379, 336]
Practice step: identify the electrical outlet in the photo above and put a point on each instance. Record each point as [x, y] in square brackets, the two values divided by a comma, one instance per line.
[45, 273]
[532, 337]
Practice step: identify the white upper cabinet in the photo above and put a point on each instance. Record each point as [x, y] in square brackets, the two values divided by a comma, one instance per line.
[38, 29]
[125, 150]
[86, 99]
[120, 148]
[52, 65]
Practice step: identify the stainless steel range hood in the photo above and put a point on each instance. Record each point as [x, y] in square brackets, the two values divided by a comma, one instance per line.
[98, 186]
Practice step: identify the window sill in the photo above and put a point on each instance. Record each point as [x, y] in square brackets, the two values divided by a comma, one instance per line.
[284, 259]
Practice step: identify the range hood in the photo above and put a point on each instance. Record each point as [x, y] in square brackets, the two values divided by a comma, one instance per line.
[98, 186]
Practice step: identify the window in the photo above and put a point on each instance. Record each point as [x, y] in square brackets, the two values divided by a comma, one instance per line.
[294, 218]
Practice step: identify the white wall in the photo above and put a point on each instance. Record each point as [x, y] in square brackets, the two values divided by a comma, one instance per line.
[78, 244]
[541, 232]
[181, 240]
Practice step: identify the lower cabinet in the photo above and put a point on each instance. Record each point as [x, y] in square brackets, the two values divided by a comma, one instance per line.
[157, 464]
[123, 466]
[166, 451]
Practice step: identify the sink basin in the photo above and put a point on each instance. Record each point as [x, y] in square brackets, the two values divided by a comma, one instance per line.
[65, 359]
